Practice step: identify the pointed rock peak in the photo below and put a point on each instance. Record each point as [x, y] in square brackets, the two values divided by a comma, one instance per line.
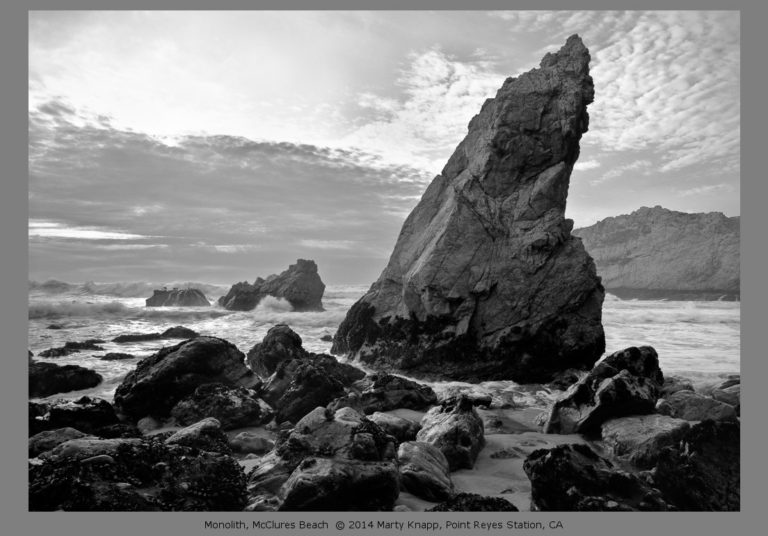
[486, 281]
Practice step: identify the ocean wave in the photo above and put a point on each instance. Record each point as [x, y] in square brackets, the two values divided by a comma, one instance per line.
[116, 309]
[122, 289]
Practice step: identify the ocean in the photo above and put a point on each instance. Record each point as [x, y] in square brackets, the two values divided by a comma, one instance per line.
[697, 340]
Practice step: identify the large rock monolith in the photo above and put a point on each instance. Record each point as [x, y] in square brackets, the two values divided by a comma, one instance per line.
[486, 280]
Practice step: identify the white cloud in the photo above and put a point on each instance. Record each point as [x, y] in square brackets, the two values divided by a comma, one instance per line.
[586, 165]
[47, 229]
[327, 244]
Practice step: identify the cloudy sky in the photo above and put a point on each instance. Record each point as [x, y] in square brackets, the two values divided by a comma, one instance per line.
[221, 146]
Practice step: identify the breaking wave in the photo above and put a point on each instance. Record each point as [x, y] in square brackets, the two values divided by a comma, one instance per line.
[116, 309]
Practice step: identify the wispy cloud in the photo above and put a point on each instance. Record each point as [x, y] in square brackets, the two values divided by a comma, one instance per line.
[703, 190]
[641, 166]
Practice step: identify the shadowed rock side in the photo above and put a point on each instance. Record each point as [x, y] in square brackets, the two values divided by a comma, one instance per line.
[188, 297]
[656, 253]
[486, 281]
[300, 285]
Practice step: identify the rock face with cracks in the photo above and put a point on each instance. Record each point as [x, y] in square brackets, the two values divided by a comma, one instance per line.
[486, 281]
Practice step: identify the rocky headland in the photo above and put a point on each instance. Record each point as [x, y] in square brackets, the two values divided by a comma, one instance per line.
[656, 253]
[300, 285]
[485, 280]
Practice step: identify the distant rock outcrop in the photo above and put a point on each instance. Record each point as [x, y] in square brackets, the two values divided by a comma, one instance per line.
[300, 285]
[188, 297]
[658, 253]
[486, 281]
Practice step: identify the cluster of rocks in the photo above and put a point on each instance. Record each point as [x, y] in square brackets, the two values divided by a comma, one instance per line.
[327, 454]
[72, 347]
[300, 285]
[664, 446]
[188, 297]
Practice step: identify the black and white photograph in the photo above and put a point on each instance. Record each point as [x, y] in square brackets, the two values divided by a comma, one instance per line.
[384, 261]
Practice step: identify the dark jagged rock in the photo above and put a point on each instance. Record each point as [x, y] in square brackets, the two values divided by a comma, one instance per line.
[399, 428]
[574, 478]
[702, 472]
[424, 471]
[135, 475]
[385, 392]
[85, 414]
[233, 407]
[46, 379]
[471, 502]
[280, 343]
[160, 381]
[457, 430]
[640, 439]
[335, 446]
[204, 435]
[188, 297]
[624, 383]
[72, 347]
[300, 285]
[299, 386]
[302, 383]
[50, 439]
[176, 332]
[486, 281]
[656, 253]
[692, 406]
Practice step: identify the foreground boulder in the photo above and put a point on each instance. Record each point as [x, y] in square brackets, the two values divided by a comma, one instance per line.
[702, 472]
[624, 383]
[322, 484]
[486, 281]
[85, 414]
[574, 478]
[46, 379]
[300, 285]
[233, 407]
[326, 454]
[50, 439]
[137, 475]
[457, 430]
[692, 406]
[188, 297]
[280, 343]
[640, 439]
[471, 502]
[160, 381]
[176, 332]
[385, 392]
[424, 471]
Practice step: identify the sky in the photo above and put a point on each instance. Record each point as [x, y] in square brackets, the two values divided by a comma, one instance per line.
[222, 146]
